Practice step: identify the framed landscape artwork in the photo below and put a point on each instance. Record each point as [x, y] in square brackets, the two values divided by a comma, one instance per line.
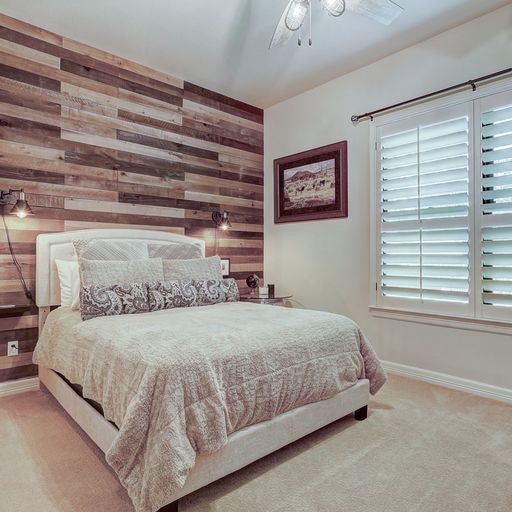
[311, 185]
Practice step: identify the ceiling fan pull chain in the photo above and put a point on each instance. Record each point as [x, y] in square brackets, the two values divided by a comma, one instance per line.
[310, 25]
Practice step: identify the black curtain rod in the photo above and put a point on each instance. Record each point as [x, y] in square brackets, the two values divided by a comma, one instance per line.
[469, 83]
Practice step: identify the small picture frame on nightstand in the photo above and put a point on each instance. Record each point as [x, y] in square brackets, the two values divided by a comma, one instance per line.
[225, 264]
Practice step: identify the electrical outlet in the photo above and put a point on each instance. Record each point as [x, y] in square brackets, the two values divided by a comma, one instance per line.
[12, 348]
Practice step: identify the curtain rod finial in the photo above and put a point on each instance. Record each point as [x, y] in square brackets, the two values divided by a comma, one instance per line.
[355, 119]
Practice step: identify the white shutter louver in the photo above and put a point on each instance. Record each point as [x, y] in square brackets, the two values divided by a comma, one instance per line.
[496, 206]
[424, 182]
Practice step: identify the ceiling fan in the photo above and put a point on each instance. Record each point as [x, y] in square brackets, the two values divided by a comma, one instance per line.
[295, 13]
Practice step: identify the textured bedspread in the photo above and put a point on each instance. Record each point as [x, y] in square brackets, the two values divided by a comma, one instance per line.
[178, 382]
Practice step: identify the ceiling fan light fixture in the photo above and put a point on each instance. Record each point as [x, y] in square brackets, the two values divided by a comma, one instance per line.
[296, 14]
[334, 7]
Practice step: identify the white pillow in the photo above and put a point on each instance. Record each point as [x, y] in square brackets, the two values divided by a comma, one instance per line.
[69, 283]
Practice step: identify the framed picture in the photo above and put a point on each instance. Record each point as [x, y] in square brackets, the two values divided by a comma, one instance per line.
[311, 185]
[225, 263]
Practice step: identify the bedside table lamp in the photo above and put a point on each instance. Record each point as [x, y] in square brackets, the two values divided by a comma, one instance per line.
[21, 209]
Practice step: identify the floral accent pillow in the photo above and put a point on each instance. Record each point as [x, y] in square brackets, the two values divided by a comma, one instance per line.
[172, 294]
[215, 291]
[119, 299]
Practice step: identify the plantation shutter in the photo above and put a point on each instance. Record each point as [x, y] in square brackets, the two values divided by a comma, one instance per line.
[425, 211]
[496, 204]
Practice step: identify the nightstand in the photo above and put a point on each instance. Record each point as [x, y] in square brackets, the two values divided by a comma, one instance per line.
[278, 300]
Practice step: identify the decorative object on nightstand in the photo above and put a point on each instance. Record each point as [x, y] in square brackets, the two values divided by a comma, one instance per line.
[252, 282]
[21, 209]
[277, 300]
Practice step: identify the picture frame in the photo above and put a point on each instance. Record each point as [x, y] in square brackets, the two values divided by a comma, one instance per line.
[225, 265]
[312, 185]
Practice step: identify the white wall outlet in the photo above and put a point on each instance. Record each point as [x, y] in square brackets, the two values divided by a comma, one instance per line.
[12, 348]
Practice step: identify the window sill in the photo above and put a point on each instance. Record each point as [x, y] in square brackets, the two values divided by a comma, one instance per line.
[453, 322]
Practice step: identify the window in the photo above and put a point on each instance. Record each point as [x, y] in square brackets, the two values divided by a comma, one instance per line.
[443, 210]
[495, 219]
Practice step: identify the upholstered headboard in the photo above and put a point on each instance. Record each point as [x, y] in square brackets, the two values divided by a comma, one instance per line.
[60, 245]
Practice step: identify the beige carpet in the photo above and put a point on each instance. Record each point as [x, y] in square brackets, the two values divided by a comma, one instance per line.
[423, 448]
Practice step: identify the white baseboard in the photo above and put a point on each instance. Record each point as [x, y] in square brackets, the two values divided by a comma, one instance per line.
[450, 381]
[13, 387]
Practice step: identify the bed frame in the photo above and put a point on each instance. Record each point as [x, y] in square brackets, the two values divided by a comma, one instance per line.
[244, 446]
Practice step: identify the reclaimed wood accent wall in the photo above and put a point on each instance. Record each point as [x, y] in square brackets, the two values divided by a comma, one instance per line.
[98, 141]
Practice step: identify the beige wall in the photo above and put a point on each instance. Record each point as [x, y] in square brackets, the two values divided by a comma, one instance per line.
[325, 264]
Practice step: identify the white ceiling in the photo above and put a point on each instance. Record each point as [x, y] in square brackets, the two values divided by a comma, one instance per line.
[223, 44]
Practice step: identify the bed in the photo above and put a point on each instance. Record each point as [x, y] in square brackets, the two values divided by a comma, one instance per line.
[177, 399]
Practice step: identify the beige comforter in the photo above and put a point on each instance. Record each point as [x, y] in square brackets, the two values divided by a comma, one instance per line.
[178, 382]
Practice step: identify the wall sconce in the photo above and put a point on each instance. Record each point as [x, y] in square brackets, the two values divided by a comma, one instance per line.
[21, 208]
[221, 220]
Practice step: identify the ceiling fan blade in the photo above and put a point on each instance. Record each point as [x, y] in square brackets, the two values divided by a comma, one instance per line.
[334, 7]
[291, 20]
[383, 11]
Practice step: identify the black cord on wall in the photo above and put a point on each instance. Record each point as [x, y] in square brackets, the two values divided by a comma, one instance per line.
[28, 293]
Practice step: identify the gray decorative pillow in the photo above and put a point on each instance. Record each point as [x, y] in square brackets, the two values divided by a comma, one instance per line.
[121, 250]
[174, 251]
[197, 269]
[215, 291]
[172, 294]
[109, 273]
[126, 299]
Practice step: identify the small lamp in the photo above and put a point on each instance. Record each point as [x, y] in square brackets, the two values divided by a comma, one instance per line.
[221, 220]
[21, 208]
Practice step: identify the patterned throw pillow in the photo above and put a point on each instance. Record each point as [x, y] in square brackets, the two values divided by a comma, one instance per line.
[197, 269]
[172, 294]
[97, 300]
[215, 291]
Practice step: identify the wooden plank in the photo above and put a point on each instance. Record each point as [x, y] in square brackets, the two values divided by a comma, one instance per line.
[54, 75]
[15, 361]
[154, 108]
[120, 83]
[18, 372]
[22, 75]
[223, 200]
[55, 166]
[122, 63]
[29, 53]
[18, 322]
[221, 102]
[76, 225]
[59, 190]
[124, 208]
[210, 115]
[30, 30]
